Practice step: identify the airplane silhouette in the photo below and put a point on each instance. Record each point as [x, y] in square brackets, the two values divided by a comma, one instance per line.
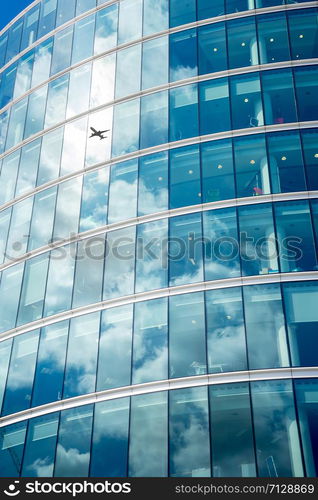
[98, 133]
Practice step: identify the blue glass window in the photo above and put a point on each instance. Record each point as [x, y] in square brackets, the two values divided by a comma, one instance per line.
[295, 236]
[225, 331]
[42, 62]
[80, 370]
[83, 39]
[212, 48]
[187, 351]
[279, 97]
[65, 11]
[306, 91]
[110, 439]
[266, 345]
[120, 263]
[28, 167]
[59, 292]
[126, 127]
[38, 460]
[106, 29]
[9, 295]
[238, 5]
[7, 85]
[153, 183]
[114, 362]
[302, 319]
[123, 191]
[36, 111]
[67, 208]
[207, 9]
[246, 101]
[286, 162]
[214, 106]
[14, 39]
[5, 353]
[11, 449]
[148, 423]
[276, 433]
[50, 156]
[21, 373]
[183, 112]
[154, 74]
[217, 171]
[242, 42]
[257, 240]
[62, 49]
[154, 119]
[185, 177]
[56, 101]
[221, 244]
[151, 256]
[42, 218]
[189, 435]
[47, 17]
[273, 38]
[185, 249]
[30, 27]
[128, 71]
[49, 375]
[156, 16]
[307, 405]
[303, 30]
[182, 13]
[16, 124]
[183, 55]
[74, 442]
[231, 431]
[94, 199]
[130, 21]
[310, 151]
[24, 74]
[150, 341]
[84, 5]
[251, 166]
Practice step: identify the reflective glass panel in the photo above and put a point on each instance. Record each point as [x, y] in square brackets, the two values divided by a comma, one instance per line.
[187, 352]
[59, 291]
[221, 244]
[276, 432]
[106, 29]
[156, 16]
[279, 97]
[51, 150]
[154, 119]
[123, 191]
[251, 166]
[42, 62]
[11, 449]
[310, 151]
[74, 442]
[185, 250]
[126, 127]
[182, 13]
[120, 263]
[231, 431]
[67, 208]
[185, 181]
[153, 183]
[110, 439]
[303, 28]
[62, 49]
[302, 319]
[154, 74]
[114, 362]
[212, 48]
[183, 55]
[183, 112]
[49, 375]
[151, 256]
[21, 372]
[306, 81]
[39, 455]
[225, 331]
[295, 236]
[246, 101]
[189, 439]
[150, 341]
[130, 21]
[128, 71]
[148, 423]
[307, 405]
[5, 353]
[242, 42]
[286, 162]
[28, 167]
[9, 296]
[214, 102]
[273, 38]
[207, 9]
[80, 368]
[266, 345]
[94, 199]
[257, 240]
[217, 171]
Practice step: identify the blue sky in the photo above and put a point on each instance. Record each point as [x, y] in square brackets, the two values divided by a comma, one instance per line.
[10, 8]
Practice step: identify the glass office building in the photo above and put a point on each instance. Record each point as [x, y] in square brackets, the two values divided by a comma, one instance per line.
[159, 282]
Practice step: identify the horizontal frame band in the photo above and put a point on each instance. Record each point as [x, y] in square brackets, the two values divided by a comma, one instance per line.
[159, 386]
[264, 279]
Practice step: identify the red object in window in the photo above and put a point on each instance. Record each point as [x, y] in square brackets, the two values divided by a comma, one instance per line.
[257, 190]
[280, 119]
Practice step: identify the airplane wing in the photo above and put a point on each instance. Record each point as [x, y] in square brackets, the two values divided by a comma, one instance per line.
[103, 131]
[94, 130]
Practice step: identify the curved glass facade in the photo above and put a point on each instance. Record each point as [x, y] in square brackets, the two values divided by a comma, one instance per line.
[175, 255]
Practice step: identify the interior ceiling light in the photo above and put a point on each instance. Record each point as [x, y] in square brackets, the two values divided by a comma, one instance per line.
[272, 40]
[220, 166]
[284, 158]
[252, 162]
[246, 99]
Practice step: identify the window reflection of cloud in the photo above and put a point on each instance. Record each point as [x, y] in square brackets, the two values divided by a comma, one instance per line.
[98, 150]
[72, 461]
[42, 467]
[153, 199]
[74, 146]
[103, 81]
[190, 435]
